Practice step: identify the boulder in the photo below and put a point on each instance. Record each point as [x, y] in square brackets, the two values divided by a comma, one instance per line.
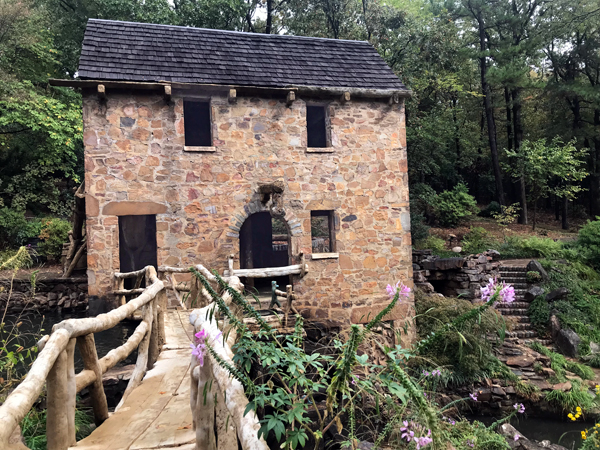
[444, 264]
[495, 254]
[594, 348]
[567, 342]
[520, 361]
[521, 442]
[533, 292]
[457, 249]
[557, 294]
[535, 266]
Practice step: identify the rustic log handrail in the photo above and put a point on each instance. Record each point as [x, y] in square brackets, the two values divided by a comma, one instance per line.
[54, 364]
[212, 380]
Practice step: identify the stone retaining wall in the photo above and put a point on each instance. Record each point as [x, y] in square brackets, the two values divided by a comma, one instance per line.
[452, 277]
[48, 293]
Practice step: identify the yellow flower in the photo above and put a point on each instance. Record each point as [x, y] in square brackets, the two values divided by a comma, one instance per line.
[578, 409]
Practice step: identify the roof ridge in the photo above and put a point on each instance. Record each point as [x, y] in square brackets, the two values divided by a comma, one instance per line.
[244, 33]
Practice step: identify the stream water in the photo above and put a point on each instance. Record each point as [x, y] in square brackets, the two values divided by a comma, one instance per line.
[35, 324]
[567, 434]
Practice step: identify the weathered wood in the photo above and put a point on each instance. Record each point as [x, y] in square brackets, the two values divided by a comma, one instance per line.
[354, 92]
[226, 432]
[290, 99]
[230, 263]
[204, 417]
[167, 94]
[269, 272]
[303, 265]
[70, 403]
[19, 402]
[232, 97]
[87, 349]
[57, 416]
[173, 281]
[142, 359]
[101, 92]
[82, 249]
[134, 274]
[112, 358]
[345, 97]
[153, 346]
[162, 309]
[128, 291]
[288, 303]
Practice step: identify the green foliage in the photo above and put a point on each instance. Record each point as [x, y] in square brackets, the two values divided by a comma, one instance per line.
[33, 427]
[578, 396]
[477, 240]
[490, 210]
[434, 243]
[463, 346]
[533, 277]
[418, 228]
[539, 313]
[560, 364]
[588, 242]
[532, 247]
[15, 229]
[55, 233]
[455, 206]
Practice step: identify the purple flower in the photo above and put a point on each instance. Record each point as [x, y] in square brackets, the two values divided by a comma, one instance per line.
[436, 373]
[506, 291]
[473, 396]
[399, 286]
[516, 438]
[201, 335]
[519, 407]
[199, 351]
[424, 441]
[470, 443]
[425, 373]
[354, 380]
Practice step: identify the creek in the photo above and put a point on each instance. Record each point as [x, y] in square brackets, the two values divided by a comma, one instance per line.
[539, 429]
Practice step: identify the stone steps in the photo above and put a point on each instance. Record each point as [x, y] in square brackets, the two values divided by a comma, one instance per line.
[514, 305]
[518, 310]
[521, 334]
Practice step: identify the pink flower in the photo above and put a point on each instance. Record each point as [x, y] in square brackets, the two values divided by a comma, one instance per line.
[399, 286]
[516, 438]
[506, 291]
[473, 396]
[519, 407]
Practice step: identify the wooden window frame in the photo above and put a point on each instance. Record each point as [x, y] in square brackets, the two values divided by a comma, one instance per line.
[328, 144]
[330, 214]
[200, 148]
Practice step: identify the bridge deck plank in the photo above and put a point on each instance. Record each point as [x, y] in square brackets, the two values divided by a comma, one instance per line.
[157, 413]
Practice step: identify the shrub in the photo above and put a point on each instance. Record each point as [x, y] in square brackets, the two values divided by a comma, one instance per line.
[432, 242]
[539, 313]
[588, 242]
[466, 350]
[15, 229]
[533, 277]
[490, 210]
[455, 206]
[532, 247]
[418, 228]
[54, 233]
[477, 240]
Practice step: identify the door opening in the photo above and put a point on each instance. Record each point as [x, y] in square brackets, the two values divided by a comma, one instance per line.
[264, 242]
[137, 244]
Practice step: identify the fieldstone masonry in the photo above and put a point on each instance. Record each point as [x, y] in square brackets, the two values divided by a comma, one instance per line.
[136, 164]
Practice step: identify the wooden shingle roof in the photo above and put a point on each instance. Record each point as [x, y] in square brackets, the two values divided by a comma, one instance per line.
[127, 51]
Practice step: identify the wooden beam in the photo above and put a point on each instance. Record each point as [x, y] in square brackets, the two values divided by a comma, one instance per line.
[232, 97]
[291, 97]
[345, 97]
[101, 92]
[394, 99]
[168, 94]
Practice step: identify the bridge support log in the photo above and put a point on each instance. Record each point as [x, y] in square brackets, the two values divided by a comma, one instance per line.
[161, 303]
[204, 414]
[70, 403]
[87, 348]
[57, 417]
[153, 342]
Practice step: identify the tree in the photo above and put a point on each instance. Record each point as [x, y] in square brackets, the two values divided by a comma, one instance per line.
[548, 168]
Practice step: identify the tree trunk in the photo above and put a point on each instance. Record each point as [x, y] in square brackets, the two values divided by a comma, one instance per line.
[269, 24]
[534, 215]
[557, 207]
[489, 110]
[523, 215]
[565, 208]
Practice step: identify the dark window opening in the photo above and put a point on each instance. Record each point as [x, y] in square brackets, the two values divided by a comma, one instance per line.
[137, 244]
[264, 242]
[316, 126]
[322, 231]
[197, 124]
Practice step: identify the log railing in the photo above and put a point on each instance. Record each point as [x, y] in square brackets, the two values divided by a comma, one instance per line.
[54, 365]
[217, 399]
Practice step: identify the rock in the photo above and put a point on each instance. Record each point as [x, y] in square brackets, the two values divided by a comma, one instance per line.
[520, 361]
[426, 287]
[451, 236]
[557, 294]
[566, 386]
[554, 327]
[548, 372]
[567, 342]
[457, 249]
[594, 348]
[497, 390]
[444, 264]
[533, 292]
[495, 254]
[416, 267]
[510, 390]
[543, 385]
[535, 266]
[62, 301]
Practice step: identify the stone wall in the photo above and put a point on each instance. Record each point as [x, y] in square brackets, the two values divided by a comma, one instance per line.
[48, 293]
[135, 164]
[452, 277]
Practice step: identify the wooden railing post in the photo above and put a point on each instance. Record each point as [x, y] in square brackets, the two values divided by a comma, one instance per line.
[57, 417]
[204, 413]
[162, 309]
[153, 344]
[87, 348]
[70, 404]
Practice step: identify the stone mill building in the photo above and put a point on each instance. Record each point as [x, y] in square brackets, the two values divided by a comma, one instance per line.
[200, 144]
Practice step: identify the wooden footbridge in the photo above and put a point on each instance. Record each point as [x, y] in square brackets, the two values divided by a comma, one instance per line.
[171, 402]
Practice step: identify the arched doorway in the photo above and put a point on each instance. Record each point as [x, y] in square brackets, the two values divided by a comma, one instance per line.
[264, 242]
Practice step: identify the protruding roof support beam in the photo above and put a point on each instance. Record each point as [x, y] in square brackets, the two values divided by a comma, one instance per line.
[291, 97]
[101, 92]
[345, 97]
[394, 99]
[232, 97]
[167, 94]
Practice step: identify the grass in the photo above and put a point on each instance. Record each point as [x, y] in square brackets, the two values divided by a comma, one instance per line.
[578, 396]
[561, 365]
[33, 427]
[528, 391]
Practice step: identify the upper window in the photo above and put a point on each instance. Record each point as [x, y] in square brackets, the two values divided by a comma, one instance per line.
[316, 126]
[197, 123]
[322, 231]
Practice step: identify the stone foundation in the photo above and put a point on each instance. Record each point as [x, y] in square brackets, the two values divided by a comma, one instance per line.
[453, 277]
[49, 293]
